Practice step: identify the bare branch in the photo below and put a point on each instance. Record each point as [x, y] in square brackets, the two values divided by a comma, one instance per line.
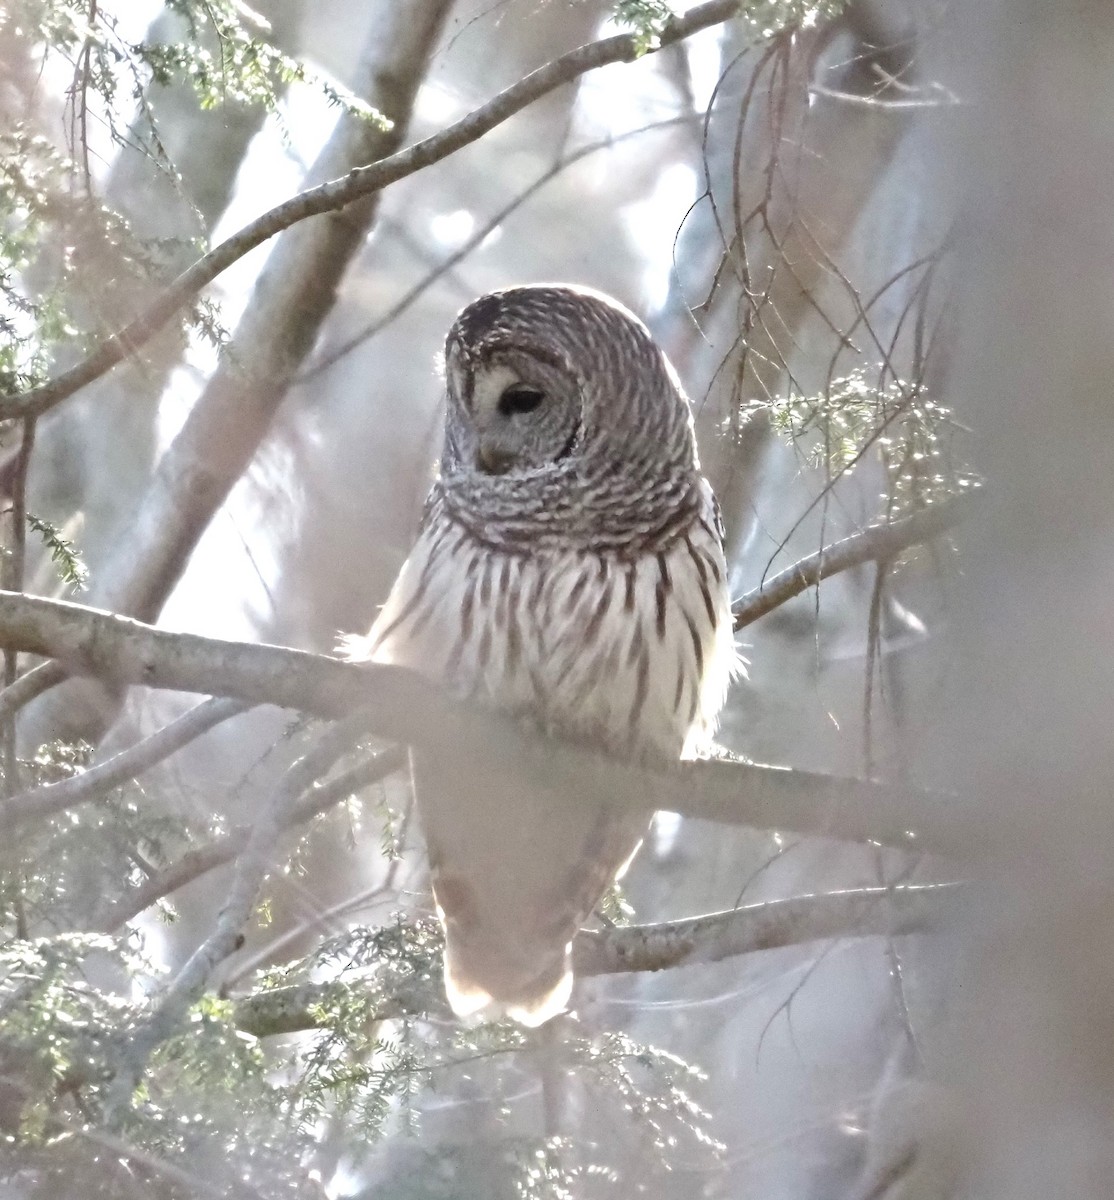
[856, 912]
[27, 687]
[122, 651]
[334, 355]
[357, 184]
[859, 912]
[97, 780]
[402, 706]
[877, 543]
[201, 859]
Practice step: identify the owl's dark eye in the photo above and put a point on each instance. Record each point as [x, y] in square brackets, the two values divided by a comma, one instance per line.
[519, 398]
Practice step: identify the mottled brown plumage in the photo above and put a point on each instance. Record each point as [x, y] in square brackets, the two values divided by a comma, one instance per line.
[569, 570]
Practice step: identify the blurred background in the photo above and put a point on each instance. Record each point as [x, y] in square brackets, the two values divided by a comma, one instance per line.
[873, 239]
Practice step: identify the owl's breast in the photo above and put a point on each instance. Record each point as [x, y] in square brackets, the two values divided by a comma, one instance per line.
[634, 654]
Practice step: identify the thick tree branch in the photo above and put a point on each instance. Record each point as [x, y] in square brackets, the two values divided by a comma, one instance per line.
[123, 651]
[877, 543]
[401, 706]
[860, 912]
[857, 912]
[356, 185]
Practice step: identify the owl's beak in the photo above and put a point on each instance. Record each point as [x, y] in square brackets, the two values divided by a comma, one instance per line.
[493, 459]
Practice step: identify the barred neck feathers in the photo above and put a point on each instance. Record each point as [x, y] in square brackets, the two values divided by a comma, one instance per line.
[569, 509]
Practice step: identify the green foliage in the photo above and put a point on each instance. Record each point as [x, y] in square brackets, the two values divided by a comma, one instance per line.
[60, 244]
[614, 907]
[242, 1111]
[646, 20]
[63, 553]
[243, 68]
[770, 17]
[56, 237]
[33, 199]
[58, 1025]
[909, 433]
[373, 1076]
[70, 864]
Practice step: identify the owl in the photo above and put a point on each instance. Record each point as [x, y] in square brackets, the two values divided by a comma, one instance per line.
[569, 571]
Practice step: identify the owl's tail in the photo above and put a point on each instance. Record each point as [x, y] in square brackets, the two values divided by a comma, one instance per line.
[512, 892]
[484, 979]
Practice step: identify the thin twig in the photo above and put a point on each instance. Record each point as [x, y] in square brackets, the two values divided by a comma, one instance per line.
[335, 354]
[943, 99]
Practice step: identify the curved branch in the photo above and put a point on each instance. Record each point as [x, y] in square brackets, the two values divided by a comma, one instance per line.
[331, 357]
[122, 651]
[29, 686]
[876, 543]
[338, 193]
[857, 912]
[97, 780]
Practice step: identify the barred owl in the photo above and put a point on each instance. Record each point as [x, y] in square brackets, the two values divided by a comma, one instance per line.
[569, 570]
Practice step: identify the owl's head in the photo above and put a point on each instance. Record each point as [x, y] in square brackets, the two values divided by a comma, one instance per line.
[551, 373]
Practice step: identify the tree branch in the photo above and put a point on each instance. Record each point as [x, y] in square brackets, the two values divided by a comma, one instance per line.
[28, 686]
[357, 184]
[401, 706]
[857, 912]
[332, 356]
[876, 543]
[122, 651]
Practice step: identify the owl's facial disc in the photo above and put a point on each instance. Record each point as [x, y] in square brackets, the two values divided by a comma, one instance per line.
[523, 414]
